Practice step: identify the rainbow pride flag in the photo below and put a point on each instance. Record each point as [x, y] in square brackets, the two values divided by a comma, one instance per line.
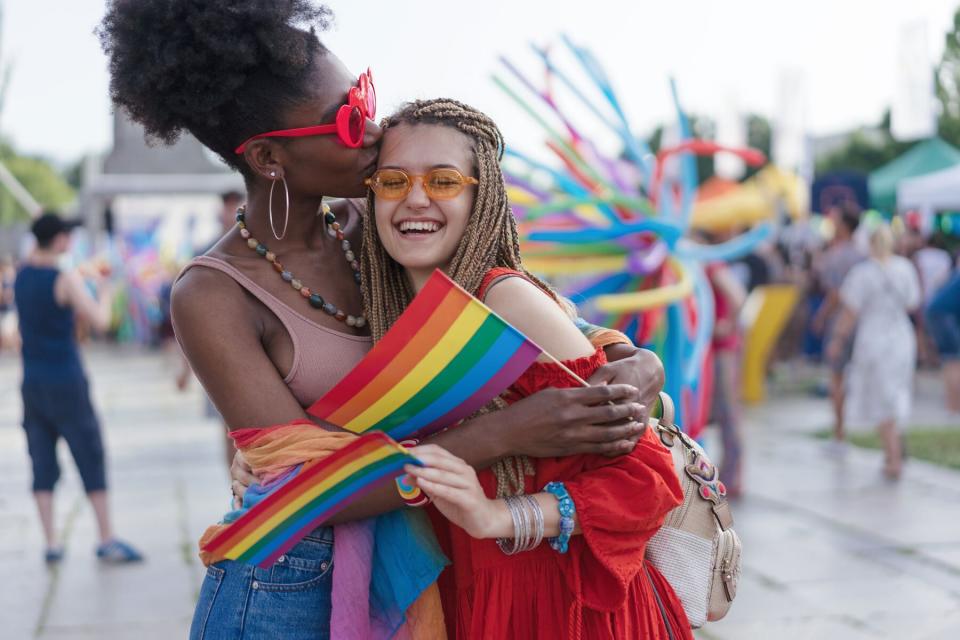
[446, 356]
[319, 490]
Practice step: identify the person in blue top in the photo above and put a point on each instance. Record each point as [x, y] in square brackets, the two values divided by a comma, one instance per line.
[56, 398]
[943, 323]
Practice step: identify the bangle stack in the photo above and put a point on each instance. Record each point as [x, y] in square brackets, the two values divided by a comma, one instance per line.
[567, 512]
[527, 519]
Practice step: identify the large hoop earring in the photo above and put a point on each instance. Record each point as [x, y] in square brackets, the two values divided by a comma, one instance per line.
[286, 214]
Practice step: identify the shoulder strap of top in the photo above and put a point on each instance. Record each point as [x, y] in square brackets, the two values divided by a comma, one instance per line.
[497, 274]
[242, 279]
[290, 317]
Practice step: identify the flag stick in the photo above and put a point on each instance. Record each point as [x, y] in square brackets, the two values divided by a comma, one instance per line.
[570, 373]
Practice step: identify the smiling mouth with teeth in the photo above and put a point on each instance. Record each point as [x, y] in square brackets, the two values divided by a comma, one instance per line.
[419, 226]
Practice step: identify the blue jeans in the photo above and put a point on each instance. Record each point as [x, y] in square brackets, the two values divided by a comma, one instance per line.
[288, 601]
[52, 410]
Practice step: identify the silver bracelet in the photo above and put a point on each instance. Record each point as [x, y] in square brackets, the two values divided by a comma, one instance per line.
[511, 546]
[538, 518]
[528, 525]
[524, 536]
[528, 519]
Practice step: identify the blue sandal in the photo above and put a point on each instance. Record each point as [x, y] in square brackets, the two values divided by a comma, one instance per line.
[118, 552]
[53, 555]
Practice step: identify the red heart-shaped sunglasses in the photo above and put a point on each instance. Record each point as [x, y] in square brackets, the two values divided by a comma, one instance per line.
[349, 125]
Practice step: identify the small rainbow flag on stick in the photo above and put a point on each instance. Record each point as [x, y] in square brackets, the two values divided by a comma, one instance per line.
[446, 356]
[320, 489]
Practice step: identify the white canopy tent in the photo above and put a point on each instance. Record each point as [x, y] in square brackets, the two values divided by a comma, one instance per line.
[929, 194]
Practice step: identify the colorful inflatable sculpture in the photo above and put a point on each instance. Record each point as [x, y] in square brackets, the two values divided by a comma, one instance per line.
[614, 230]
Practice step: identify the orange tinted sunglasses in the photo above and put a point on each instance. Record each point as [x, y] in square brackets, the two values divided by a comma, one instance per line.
[439, 184]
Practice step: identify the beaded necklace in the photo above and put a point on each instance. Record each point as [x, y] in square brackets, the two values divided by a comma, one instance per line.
[314, 299]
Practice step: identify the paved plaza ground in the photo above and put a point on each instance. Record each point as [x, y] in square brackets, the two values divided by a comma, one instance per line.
[831, 550]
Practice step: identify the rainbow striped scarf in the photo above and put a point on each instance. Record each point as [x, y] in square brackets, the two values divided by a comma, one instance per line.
[384, 584]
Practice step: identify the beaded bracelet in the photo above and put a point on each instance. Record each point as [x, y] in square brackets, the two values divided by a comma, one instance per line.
[411, 494]
[567, 511]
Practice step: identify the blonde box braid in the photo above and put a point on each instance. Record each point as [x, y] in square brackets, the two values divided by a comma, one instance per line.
[490, 240]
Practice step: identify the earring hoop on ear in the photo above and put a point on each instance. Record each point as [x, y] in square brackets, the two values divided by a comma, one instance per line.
[286, 214]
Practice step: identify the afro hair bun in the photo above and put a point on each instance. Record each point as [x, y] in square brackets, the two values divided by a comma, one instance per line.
[185, 64]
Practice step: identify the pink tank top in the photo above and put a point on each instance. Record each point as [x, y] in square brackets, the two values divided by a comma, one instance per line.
[321, 356]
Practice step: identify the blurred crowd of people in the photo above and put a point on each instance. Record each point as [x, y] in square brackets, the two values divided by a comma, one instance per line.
[877, 300]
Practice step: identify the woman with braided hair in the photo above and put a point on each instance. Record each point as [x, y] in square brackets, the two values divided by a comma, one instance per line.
[270, 317]
[439, 201]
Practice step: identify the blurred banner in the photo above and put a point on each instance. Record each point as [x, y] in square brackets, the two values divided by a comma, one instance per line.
[913, 115]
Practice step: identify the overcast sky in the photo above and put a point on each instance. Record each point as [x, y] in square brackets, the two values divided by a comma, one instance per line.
[57, 102]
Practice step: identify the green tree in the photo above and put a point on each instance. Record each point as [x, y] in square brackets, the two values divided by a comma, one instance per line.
[39, 178]
[862, 153]
[759, 137]
[73, 173]
[948, 85]
[36, 175]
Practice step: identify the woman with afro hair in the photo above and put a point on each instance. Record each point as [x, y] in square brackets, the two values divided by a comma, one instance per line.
[271, 317]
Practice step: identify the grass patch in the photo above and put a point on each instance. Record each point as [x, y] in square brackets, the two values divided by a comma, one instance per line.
[937, 445]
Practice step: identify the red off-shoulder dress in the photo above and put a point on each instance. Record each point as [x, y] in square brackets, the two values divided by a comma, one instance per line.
[602, 587]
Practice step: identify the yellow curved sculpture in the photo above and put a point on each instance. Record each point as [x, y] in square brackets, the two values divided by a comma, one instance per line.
[756, 199]
[643, 300]
[765, 314]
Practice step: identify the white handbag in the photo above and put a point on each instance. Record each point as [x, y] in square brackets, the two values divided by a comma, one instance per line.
[696, 549]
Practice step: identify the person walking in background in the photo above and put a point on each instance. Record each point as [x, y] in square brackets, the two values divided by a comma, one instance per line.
[56, 398]
[943, 322]
[877, 297]
[729, 296]
[837, 261]
[934, 265]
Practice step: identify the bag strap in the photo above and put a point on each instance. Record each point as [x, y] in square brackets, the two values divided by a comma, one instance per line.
[656, 596]
[663, 410]
[664, 413]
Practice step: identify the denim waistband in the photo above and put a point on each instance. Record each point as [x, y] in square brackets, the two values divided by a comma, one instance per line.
[321, 534]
